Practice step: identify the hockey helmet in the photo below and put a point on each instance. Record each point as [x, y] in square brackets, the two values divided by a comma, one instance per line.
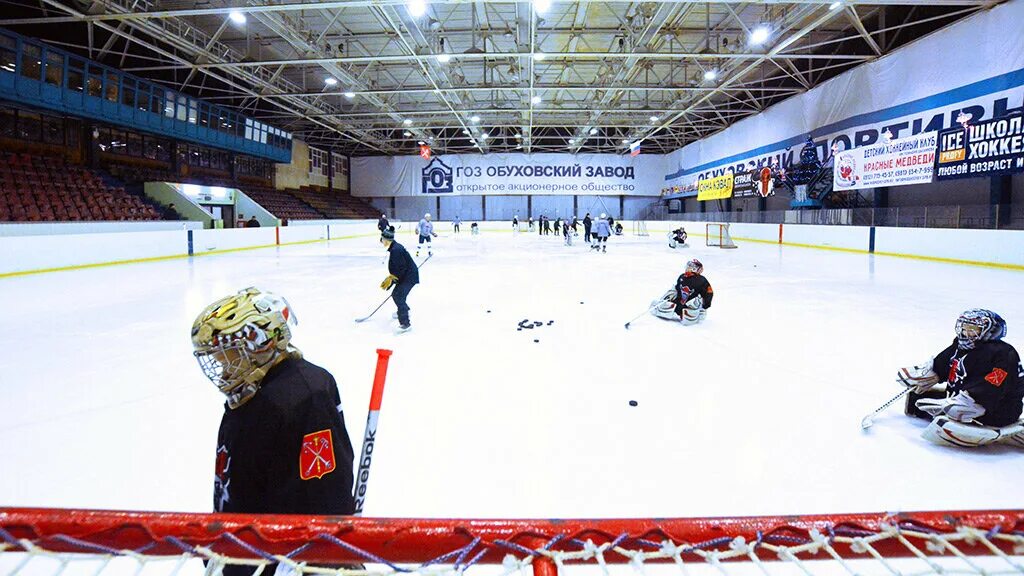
[694, 267]
[978, 324]
[237, 339]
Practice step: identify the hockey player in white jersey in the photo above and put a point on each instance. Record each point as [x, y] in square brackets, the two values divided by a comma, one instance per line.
[426, 231]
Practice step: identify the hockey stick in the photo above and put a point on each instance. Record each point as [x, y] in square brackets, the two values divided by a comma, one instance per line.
[868, 420]
[366, 455]
[389, 296]
[641, 315]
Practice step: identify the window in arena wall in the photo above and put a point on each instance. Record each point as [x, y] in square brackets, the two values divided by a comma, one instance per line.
[113, 82]
[128, 92]
[8, 54]
[31, 61]
[54, 69]
[94, 81]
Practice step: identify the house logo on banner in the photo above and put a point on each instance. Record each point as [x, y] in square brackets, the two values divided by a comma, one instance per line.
[437, 178]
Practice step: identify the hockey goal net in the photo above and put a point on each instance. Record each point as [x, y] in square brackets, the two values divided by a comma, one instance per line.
[49, 541]
[718, 235]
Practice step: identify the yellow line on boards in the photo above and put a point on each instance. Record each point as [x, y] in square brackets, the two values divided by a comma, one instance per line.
[170, 257]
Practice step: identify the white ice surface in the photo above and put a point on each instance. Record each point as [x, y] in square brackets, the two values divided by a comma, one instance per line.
[756, 411]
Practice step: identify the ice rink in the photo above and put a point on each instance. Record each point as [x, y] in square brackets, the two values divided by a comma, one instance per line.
[756, 411]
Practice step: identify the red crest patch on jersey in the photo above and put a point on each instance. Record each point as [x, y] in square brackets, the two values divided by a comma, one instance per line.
[996, 377]
[223, 464]
[316, 459]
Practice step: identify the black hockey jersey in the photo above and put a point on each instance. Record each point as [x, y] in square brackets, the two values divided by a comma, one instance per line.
[696, 284]
[991, 373]
[401, 264]
[286, 450]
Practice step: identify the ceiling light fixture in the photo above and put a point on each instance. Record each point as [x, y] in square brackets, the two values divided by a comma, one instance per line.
[760, 34]
[444, 58]
[711, 75]
[417, 8]
[237, 17]
[654, 118]
[407, 122]
[834, 5]
[519, 136]
[593, 131]
[466, 132]
[407, 134]
[330, 81]
[485, 136]
[541, 6]
[350, 95]
[538, 56]
[535, 100]
[474, 119]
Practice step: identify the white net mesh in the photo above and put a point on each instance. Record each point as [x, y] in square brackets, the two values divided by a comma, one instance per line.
[208, 544]
[718, 235]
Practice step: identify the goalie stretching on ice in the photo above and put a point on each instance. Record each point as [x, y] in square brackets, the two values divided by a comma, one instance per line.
[981, 403]
[689, 300]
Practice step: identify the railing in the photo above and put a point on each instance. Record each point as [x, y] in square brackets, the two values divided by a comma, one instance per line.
[1002, 216]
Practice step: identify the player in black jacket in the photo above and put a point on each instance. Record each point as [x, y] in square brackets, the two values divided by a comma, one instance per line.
[689, 300]
[402, 273]
[383, 223]
[982, 400]
[282, 446]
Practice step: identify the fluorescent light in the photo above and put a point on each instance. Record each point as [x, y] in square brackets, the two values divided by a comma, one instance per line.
[834, 5]
[237, 17]
[350, 95]
[535, 100]
[571, 141]
[654, 118]
[538, 56]
[519, 136]
[466, 132]
[760, 35]
[407, 122]
[417, 8]
[485, 136]
[593, 131]
[444, 58]
[407, 134]
[330, 81]
[541, 6]
[625, 140]
[420, 142]
[710, 74]
[474, 119]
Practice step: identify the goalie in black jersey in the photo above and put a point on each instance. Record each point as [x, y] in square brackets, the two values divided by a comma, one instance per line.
[689, 300]
[677, 238]
[984, 386]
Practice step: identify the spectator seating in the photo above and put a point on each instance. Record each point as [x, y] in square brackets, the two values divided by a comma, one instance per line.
[45, 189]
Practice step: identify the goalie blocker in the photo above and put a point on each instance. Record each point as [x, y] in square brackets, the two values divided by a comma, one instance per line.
[984, 386]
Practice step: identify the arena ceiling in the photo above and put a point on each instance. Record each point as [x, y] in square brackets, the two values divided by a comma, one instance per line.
[367, 77]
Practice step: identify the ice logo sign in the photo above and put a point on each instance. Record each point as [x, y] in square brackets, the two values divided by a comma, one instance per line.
[846, 173]
[437, 178]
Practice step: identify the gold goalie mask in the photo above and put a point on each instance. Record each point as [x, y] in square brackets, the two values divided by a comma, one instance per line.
[238, 339]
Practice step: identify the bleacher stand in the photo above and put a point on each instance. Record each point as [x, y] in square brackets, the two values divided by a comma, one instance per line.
[45, 189]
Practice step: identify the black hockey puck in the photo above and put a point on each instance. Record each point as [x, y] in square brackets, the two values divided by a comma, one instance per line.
[632, 402]
[581, 301]
[488, 311]
[550, 322]
[536, 340]
[519, 329]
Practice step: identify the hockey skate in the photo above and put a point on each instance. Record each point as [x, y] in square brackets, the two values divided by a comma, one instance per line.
[403, 329]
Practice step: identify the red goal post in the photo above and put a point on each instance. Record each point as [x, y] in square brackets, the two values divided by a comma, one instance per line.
[971, 542]
[716, 234]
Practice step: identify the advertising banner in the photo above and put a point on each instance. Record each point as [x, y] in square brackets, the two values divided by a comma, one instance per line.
[715, 188]
[983, 149]
[508, 174]
[900, 162]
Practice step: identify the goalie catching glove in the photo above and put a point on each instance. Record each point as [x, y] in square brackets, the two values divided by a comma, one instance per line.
[388, 282]
[920, 377]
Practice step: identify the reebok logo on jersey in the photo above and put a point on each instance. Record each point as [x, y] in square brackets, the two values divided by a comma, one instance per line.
[996, 377]
[316, 459]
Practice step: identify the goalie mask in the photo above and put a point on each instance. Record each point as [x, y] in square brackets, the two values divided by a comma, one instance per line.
[978, 325]
[694, 267]
[239, 338]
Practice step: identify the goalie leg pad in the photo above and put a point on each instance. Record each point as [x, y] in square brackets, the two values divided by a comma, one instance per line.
[948, 432]
[665, 307]
[693, 312]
